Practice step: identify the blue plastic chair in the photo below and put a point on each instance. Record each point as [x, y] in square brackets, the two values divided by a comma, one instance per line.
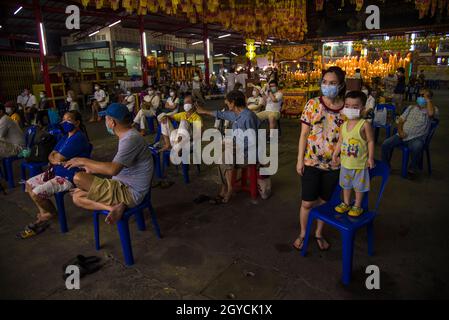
[406, 151]
[157, 162]
[185, 167]
[30, 135]
[348, 225]
[123, 226]
[150, 121]
[59, 197]
[387, 126]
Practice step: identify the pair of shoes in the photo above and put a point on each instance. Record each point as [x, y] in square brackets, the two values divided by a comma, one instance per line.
[342, 208]
[86, 265]
[355, 211]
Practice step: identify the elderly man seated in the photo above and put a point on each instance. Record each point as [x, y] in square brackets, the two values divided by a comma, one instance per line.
[242, 120]
[131, 170]
[413, 128]
[148, 108]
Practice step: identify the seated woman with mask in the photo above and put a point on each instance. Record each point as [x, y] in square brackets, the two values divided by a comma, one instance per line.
[256, 102]
[42, 187]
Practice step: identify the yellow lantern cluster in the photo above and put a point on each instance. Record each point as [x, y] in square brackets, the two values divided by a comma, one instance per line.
[377, 68]
[250, 49]
[258, 19]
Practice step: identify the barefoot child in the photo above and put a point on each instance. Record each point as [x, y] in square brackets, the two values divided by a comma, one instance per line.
[356, 145]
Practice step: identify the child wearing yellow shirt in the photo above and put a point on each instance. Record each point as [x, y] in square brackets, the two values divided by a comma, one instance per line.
[356, 150]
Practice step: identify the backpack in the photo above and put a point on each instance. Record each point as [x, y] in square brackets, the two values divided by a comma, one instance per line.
[42, 149]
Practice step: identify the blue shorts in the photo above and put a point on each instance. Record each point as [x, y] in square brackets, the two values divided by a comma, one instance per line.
[357, 179]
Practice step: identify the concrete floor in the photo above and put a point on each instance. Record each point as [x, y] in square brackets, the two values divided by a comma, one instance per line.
[241, 250]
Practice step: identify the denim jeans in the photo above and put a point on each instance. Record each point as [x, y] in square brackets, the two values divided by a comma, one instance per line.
[415, 146]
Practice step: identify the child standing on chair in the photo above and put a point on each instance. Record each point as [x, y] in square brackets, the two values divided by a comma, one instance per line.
[356, 150]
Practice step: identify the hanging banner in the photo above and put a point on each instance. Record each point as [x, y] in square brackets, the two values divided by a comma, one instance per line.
[287, 53]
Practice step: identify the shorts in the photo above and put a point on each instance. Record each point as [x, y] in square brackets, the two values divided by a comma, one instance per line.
[318, 183]
[264, 115]
[110, 192]
[47, 189]
[357, 179]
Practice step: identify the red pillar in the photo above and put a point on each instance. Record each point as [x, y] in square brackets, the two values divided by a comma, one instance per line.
[143, 59]
[43, 61]
[206, 59]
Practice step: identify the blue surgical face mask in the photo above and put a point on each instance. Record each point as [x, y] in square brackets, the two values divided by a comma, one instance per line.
[421, 101]
[68, 126]
[110, 130]
[330, 90]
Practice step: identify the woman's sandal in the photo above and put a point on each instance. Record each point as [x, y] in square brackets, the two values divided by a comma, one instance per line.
[301, 243]
[33, 229]
[86, 265]
[320, 241]
[217, 200]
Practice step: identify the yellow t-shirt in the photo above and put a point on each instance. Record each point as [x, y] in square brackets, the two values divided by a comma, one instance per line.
[194, 117]
[354, 149]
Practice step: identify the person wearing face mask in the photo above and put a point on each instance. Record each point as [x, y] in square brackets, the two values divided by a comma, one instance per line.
[42, 109]
[117, 94]
[413, 127]
[189, 114]
[255, 103]
[148, 108]
[72, 104]
[273, 105]
[42, 187]
[355, 148]
[99, 102]
[172, 103]
[131, 170]
[368, 111]
[321, 120]
[12, 140]
[242, 120]
[196, 88]
[11, 111]
[130, 101]
[27, 105]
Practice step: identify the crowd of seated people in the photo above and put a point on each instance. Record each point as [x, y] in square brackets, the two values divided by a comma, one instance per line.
[325, 157]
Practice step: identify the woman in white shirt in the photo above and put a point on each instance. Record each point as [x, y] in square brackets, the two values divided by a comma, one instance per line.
[130, 101]
[172, 104]
[255, 103]
[72, 104]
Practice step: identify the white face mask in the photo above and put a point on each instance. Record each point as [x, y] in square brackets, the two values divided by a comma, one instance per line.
[255, 94]
[8, 110]
[69, 99]
[150, 92]
[196, 78]
[351, 114]
[97, 88]
[128, 93]
[365, 92]
[172, 94]
[42, 95]
[187, 107]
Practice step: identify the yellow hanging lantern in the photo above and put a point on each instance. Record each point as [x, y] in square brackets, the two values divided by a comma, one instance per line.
[250, 49]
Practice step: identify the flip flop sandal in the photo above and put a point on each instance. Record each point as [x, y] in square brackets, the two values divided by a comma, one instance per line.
[217, 200]
[301, 243]
[86, 265]
[202, 198]
[33, 230]
[322, 239]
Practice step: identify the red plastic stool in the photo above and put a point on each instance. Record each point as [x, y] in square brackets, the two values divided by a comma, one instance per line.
[249, 174]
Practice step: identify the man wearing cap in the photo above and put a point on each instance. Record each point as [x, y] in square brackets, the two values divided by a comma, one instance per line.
[131, 170]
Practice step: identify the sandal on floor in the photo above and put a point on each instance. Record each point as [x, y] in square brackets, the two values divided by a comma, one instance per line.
[217, 200]
[321, 240]
[301, 243]
[86, 265]
[200, 199]
[33, 229]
